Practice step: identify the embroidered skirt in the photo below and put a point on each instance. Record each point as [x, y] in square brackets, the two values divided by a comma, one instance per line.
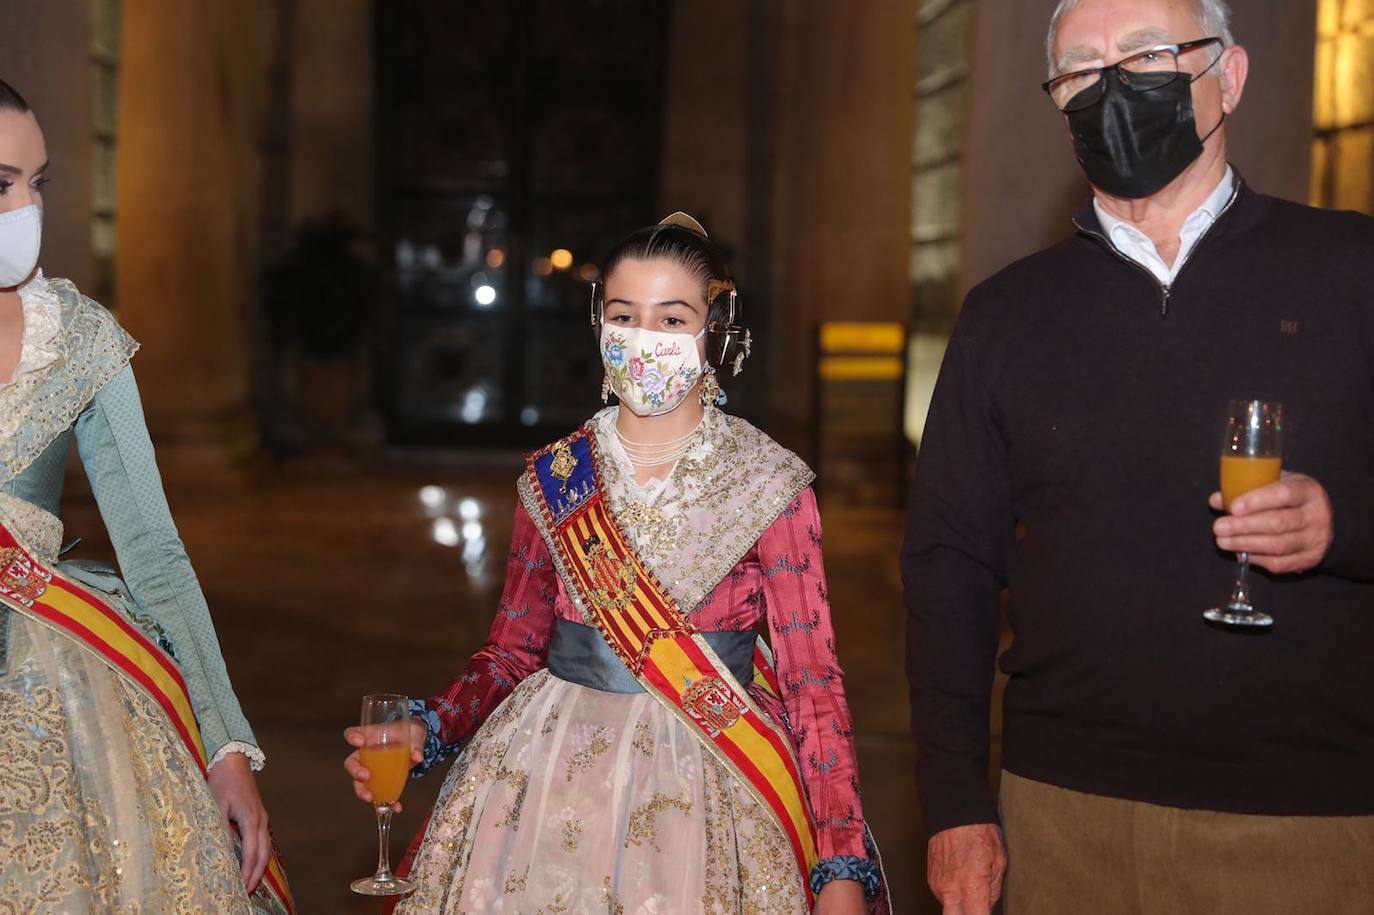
[574, 801]
[102, 809]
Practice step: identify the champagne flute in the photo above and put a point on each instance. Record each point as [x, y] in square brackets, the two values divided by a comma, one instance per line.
[1251, 457]
[386, 755]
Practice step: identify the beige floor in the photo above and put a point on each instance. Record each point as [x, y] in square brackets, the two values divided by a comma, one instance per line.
[331, 582]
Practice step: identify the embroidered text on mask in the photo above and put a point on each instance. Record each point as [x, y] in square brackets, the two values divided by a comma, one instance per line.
[651, 372]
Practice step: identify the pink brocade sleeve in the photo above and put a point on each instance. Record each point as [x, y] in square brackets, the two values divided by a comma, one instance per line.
[516, 647]
[803, 640]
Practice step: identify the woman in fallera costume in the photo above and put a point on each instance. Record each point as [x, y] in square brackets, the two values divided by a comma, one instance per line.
[625, 742]
[115, 706]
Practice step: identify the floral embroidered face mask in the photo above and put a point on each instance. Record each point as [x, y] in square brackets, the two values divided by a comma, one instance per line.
[651, 372]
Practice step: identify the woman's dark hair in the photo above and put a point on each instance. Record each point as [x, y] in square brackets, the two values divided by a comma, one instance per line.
[702, 259]
[11, 100]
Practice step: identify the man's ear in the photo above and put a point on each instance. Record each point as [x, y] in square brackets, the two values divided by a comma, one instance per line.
[1235, 69]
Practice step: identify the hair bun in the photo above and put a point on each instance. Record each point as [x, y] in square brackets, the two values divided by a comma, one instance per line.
[683, 221]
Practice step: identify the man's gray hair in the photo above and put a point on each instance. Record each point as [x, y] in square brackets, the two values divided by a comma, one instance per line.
[1213, 15]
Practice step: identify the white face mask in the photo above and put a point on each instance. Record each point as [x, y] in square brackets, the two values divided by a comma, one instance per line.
[21, 236]
[651, 372]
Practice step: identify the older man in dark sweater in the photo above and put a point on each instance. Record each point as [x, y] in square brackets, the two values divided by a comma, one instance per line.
[1152, 762]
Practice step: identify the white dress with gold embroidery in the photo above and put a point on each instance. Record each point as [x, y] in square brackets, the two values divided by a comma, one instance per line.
[572, 800]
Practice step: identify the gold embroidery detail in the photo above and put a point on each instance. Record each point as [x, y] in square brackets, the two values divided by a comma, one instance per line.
[644, 739]
[563, 465]
[586, 757]
[644, 819]
[59, 849]
[549, 722]
[572, 834]
[613, 904]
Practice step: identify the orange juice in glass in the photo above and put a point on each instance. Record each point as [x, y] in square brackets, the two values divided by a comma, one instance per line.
[1242, 473]
[390, 768]
[1251, 457]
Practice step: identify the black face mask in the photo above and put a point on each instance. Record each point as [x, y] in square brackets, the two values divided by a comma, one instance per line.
[1133, 143]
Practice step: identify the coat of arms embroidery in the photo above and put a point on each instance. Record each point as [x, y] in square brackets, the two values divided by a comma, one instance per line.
[20, 580]
[613, 579]
[563, 465]
[712, 704]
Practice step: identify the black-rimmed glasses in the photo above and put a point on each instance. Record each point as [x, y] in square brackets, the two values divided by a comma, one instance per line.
[1149, 69]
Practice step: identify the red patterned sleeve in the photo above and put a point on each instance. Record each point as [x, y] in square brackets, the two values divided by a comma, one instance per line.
[516, 647]
[803, 640]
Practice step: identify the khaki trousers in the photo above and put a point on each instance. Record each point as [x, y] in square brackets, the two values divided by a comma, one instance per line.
[1072, 853]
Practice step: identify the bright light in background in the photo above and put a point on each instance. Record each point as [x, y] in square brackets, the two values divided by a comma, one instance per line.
[485, 295]
[495, 258]
[588, 272]
[465, 532]
[446, 532]
[561, 258]
[530, 415]
[473, 406]
[474, 551]
[542, 266]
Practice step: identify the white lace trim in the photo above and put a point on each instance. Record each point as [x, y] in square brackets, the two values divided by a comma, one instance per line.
[42, 322]
[256, 759]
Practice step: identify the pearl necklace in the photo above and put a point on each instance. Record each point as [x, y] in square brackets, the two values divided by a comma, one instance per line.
[655, 454]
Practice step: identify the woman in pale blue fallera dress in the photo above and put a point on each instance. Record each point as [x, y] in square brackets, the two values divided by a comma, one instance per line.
[102, 806]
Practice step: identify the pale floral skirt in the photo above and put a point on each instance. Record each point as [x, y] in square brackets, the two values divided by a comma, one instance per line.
[574, 801]
[102, 808]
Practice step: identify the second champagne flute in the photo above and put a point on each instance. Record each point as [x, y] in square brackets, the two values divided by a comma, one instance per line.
[386, 755]
[1251, 457]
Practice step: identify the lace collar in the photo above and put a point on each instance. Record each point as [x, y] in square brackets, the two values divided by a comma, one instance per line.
[702, 520]
[694, 526]
[42, 323]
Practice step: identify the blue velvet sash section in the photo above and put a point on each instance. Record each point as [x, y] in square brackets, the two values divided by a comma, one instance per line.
[580, 655]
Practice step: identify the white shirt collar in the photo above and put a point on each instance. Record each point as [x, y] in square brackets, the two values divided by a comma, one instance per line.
[1136, 245]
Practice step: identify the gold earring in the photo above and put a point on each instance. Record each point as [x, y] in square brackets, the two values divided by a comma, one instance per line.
[606, 387]
[710, 388]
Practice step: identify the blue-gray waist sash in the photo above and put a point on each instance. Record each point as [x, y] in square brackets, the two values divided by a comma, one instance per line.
[579, 654]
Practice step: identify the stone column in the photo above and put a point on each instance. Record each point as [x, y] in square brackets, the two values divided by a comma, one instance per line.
[842, 205]
[189, 192]
[332, 169]
[45, 53]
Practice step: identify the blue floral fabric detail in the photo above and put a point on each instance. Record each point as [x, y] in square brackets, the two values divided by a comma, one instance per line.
[435, 751]
[847, 867]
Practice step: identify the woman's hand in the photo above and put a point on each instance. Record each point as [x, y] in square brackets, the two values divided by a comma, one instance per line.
[236, 793]
[356, 737]
[841, 897]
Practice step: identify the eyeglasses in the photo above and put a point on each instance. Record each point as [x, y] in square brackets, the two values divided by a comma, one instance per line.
[1149, 69]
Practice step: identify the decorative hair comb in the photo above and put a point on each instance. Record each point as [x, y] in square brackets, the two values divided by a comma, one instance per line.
[683, 221]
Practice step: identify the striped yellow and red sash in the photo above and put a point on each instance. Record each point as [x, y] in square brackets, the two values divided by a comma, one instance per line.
[43, 594]
[661, 647]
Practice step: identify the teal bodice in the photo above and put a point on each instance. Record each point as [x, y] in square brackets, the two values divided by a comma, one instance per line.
[41, 482]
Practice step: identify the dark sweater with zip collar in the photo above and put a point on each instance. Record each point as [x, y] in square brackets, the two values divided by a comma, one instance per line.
[1069, 453]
